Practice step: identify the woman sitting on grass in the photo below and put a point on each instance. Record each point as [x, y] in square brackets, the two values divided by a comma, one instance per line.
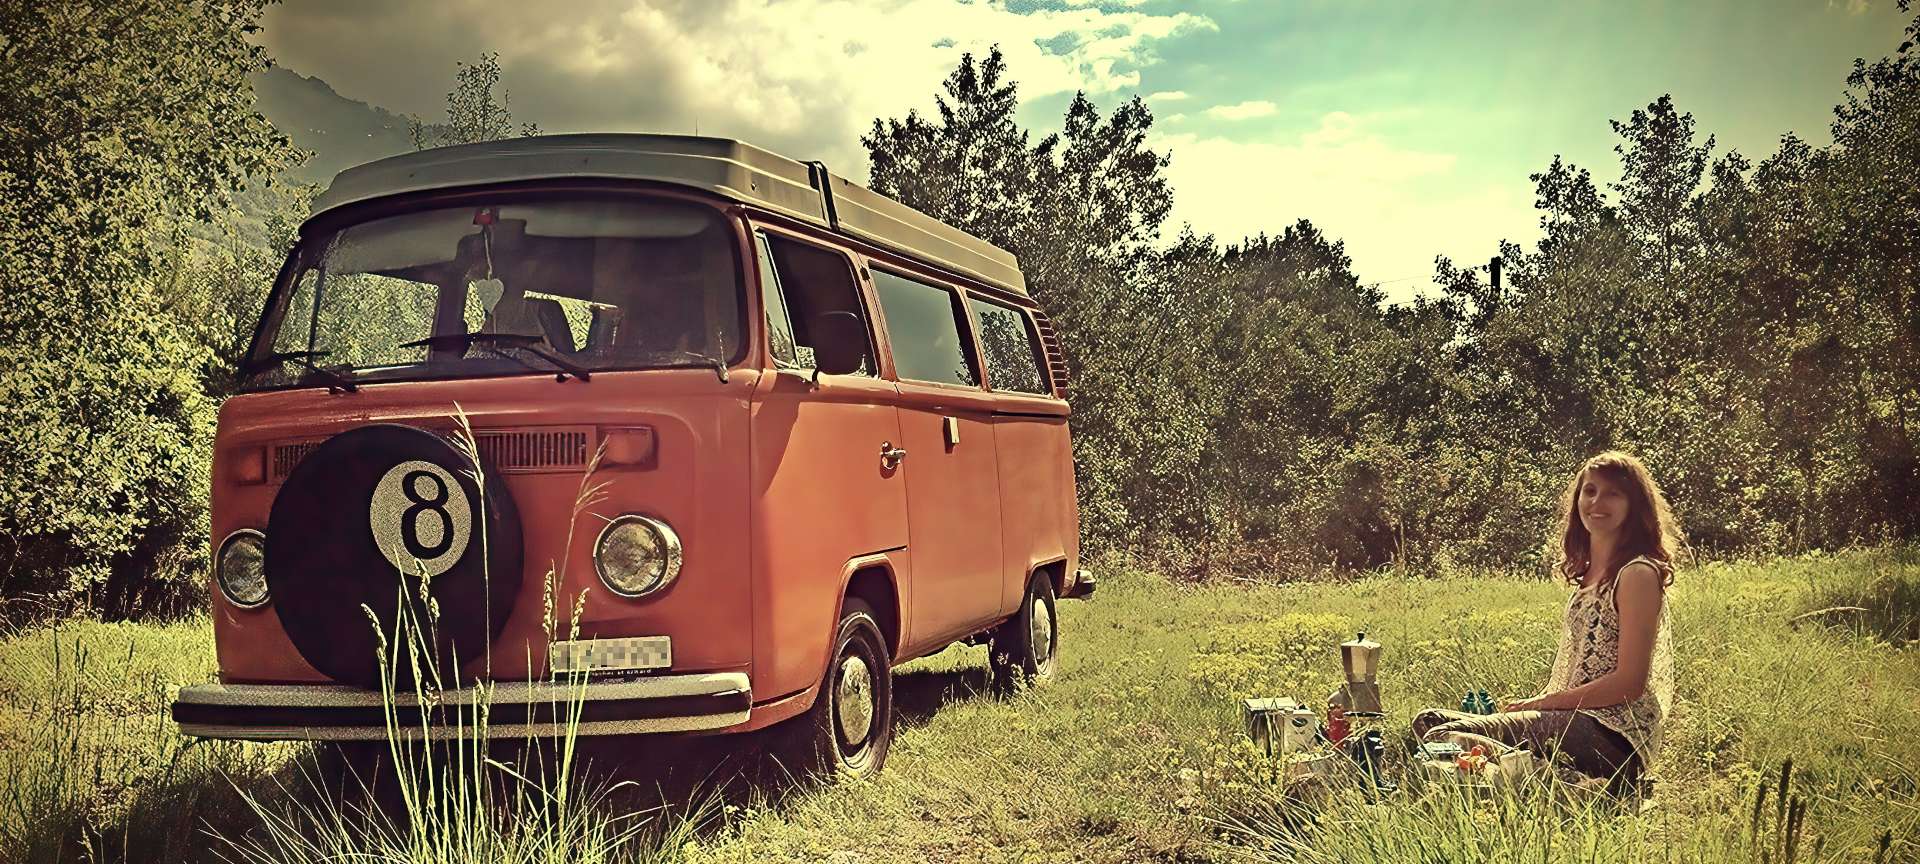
[1612, 677]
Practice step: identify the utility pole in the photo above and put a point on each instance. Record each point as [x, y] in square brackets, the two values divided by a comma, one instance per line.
[1493, 269]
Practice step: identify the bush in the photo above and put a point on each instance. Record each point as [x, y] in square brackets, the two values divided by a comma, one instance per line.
[104, 445]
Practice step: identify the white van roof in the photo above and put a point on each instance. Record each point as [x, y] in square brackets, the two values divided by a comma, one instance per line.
[721, 166]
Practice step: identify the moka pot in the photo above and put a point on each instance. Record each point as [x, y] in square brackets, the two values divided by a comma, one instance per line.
[1360, 658]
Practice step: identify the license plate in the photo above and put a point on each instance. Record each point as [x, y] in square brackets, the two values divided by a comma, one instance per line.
[629, 652]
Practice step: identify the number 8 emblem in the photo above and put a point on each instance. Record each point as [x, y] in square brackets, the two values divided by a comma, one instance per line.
[419, 513]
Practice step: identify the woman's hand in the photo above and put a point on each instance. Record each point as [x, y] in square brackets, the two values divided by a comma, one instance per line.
[1533, 704]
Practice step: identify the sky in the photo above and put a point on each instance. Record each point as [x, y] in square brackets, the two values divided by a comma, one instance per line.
[1406, 129]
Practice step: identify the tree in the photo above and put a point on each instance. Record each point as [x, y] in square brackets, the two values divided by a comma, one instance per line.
[1080, 209]
[473, 112]
[116, 120]
[974, 168]
[1661, 168]
[1256, 407]
[213, 279]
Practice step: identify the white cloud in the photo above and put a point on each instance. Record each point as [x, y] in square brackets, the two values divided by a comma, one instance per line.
[1389, 203]
[805, 77]
[1243, 110]
[1168, 96]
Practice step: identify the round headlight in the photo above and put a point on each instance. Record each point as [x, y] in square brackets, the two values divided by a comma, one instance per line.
[637, 555]
[241, 568]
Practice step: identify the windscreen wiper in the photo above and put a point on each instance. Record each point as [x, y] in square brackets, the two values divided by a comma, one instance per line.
[696, 358]
[524, 341]
[336, 382]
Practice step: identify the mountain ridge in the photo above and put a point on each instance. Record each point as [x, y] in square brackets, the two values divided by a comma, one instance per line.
[339, 132]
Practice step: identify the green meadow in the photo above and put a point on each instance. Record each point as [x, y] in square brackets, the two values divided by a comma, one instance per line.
[1133, 752]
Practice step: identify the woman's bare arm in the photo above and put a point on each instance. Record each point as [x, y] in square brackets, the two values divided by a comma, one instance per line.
[1638, 596]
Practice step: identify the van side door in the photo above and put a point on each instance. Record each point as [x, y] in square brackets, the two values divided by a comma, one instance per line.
[953, 487]
[823, 492]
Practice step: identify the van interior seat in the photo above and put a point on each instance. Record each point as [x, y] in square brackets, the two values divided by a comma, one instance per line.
[553, 323]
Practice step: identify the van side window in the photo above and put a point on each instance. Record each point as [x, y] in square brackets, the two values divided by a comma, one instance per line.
[1011, 347]
[800, 282]
[779, 320]
[924, 321]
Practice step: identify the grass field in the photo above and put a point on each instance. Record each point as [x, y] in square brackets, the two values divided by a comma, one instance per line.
[1133, 752]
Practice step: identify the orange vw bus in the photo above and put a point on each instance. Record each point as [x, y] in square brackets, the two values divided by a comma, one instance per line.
[825, 432]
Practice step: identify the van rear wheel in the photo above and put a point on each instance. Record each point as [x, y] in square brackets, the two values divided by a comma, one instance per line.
[1024, 645]
[850, 726]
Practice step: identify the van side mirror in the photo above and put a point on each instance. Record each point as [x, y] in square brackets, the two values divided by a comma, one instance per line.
[839, 342]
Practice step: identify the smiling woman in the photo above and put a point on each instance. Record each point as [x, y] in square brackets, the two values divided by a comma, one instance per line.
[1606, 699]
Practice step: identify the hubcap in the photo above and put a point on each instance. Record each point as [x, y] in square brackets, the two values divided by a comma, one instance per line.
[854, 700]
[1040, 632]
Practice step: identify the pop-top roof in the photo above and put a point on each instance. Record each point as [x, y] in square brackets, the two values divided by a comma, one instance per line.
[721, 166]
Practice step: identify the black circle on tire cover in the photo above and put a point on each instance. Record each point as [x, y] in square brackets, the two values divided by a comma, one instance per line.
[323, 563]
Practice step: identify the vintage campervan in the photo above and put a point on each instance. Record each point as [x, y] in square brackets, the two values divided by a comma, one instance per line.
[825, 432]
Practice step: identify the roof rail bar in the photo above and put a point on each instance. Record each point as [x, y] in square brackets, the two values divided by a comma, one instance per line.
[819, 178]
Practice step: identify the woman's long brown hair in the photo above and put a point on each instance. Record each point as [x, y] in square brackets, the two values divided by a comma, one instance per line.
[1650, 530]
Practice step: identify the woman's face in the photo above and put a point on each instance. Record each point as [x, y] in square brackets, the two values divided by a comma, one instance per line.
[1603, 504]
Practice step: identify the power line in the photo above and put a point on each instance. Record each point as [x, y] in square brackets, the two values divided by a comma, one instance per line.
[1427, 276]
[1401, 279]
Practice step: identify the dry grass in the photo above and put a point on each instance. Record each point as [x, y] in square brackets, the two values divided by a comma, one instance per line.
[1131, 754]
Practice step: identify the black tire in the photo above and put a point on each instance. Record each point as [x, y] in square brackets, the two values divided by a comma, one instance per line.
[830, 740]
[326, 568]
[1025, 646]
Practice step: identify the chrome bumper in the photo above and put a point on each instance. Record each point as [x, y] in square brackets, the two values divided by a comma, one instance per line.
[332, 712]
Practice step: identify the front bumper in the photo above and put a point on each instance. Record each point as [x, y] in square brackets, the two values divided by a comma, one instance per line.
[331, 712]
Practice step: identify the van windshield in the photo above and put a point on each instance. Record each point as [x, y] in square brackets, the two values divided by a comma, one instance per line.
[513, 288]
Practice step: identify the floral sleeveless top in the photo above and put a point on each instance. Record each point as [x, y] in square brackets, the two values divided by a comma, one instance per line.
[1590, 648]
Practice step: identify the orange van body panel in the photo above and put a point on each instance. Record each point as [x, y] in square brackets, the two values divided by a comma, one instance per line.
[821, 497]
[1037, 523]
[892, 563]
[697, 484]
[953, 514]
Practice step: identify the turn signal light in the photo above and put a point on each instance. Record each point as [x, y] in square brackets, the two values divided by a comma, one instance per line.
[249, 465]
[632, 447]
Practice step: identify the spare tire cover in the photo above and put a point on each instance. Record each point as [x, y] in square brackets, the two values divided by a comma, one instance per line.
[358, 525]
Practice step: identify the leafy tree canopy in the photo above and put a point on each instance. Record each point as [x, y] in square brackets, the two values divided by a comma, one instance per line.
[116, 120]
[474, 113]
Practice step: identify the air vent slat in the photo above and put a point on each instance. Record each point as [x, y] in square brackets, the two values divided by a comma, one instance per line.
[1056, 358]
[535, 450]
[286, 456]
[515, 451]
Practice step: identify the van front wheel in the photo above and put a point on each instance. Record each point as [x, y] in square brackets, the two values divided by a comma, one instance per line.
[1024, 645]
[850, 726]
